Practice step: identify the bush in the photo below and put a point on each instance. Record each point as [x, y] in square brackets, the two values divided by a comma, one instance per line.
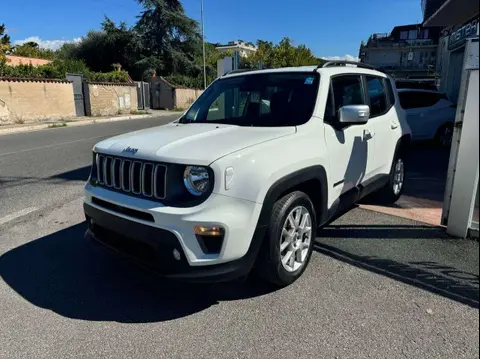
[186, 81]
[58, 69]
[113, 76]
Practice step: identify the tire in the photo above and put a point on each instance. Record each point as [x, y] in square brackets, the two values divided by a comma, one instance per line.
[286, 213]
[444, 135]
[392, 191]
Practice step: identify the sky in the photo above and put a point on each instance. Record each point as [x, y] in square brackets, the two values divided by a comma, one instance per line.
[331, 28]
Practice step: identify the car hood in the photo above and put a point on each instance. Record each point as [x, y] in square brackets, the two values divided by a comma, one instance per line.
[191, 143]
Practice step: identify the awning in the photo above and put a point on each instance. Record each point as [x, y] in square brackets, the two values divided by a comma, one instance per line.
[453, 12]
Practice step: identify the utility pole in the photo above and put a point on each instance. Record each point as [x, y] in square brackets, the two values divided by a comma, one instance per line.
[203, 44]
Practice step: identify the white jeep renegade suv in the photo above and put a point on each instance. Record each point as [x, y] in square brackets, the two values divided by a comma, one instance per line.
[249, 172]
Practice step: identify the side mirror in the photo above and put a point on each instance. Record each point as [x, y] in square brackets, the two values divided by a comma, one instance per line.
[354, 114]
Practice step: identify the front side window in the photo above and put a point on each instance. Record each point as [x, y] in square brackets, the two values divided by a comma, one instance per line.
[264, 100]
[345, 90]
[377, 95]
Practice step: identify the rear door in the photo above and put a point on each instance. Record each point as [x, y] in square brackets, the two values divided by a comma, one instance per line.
[384, 119]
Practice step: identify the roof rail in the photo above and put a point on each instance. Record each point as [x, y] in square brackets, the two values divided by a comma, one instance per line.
[345, 62]
[239, 71]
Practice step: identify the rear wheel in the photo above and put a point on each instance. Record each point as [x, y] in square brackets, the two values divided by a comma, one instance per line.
[392, 191]
[289, 240]
[444, 135]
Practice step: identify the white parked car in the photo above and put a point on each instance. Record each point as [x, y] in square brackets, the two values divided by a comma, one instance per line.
[216, 194]
[430, 115]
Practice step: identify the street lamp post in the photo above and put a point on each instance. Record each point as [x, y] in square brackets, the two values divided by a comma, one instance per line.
[203, 45]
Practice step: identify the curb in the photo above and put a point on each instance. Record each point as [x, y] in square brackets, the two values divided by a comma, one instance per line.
[37, 127]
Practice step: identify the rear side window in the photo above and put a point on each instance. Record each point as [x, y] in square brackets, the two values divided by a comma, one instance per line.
[345, 90]
[418, 99]
[409, 100]
[377, 95]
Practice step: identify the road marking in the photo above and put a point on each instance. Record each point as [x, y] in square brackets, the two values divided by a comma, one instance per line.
[16, 215]
[54, 145]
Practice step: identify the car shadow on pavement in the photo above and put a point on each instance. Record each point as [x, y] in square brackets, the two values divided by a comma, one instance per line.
[80, 279]
[435, 277]
[80, 174]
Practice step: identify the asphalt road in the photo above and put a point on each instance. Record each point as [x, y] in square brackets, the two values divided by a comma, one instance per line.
[46, 168]
[377, 286]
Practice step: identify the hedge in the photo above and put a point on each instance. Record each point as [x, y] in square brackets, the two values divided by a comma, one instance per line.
[58, 69]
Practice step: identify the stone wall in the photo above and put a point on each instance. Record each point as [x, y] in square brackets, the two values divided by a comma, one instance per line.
[106, 99]
[34, 100]
[165, 95]
[185, 97]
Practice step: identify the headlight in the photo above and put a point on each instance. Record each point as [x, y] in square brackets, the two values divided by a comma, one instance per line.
[196, 180]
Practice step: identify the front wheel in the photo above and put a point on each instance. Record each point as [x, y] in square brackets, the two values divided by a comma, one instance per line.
[289, 240]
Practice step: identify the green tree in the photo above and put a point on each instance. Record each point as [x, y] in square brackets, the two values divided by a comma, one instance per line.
[170, 39]
[4, 44]
[283, 54]
[100, 50]
[31, 49]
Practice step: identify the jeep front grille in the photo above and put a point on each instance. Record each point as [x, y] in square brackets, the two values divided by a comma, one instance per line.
[139, 178]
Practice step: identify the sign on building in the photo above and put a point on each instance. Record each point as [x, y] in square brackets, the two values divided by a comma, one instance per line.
[460, 33]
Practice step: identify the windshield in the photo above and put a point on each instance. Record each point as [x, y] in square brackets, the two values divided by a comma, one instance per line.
[268, 99]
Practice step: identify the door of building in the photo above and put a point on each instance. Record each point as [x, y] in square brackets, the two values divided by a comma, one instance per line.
[78, 97]
[455, 75]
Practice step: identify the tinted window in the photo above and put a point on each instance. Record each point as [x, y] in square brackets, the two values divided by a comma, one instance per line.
[409, 100]
[416, 99]
[347, 90]
[275, 99]
[377, 95]
[390, 95]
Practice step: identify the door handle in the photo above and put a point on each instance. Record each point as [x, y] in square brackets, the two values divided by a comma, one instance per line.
[367, 134]
[394, 125]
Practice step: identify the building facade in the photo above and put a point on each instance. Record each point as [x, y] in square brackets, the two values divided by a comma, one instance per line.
[452, 40]
[408, 51]
[22, 60]
[237, 46]
[459, 53]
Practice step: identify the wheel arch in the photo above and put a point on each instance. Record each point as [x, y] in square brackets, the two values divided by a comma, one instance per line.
[311, 180]
[403, 144]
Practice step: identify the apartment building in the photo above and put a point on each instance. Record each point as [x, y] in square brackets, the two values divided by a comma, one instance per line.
[408, 51]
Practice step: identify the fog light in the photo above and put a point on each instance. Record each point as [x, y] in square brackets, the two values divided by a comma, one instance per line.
[176, 254]
[210, 238]
[213, 231]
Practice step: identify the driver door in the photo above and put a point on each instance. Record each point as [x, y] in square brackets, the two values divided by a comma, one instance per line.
[350, 147]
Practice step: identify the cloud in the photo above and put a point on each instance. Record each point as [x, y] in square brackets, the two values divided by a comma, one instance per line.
[346, 57]
[46, 44]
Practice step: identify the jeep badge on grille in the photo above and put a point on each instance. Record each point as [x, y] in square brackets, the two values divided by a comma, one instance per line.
[130, 150]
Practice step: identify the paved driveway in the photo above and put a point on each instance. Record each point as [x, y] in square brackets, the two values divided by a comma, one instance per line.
[377, 286]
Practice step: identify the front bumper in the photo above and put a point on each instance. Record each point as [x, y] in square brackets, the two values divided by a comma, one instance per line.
[152, 242]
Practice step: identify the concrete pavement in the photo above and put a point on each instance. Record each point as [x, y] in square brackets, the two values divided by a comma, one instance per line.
[377, 286]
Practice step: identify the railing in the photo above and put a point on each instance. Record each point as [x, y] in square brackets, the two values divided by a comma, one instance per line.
[406, 66]
[401, 43]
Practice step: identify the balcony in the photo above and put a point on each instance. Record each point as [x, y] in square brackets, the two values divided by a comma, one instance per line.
[378, 43]
[409, 66]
